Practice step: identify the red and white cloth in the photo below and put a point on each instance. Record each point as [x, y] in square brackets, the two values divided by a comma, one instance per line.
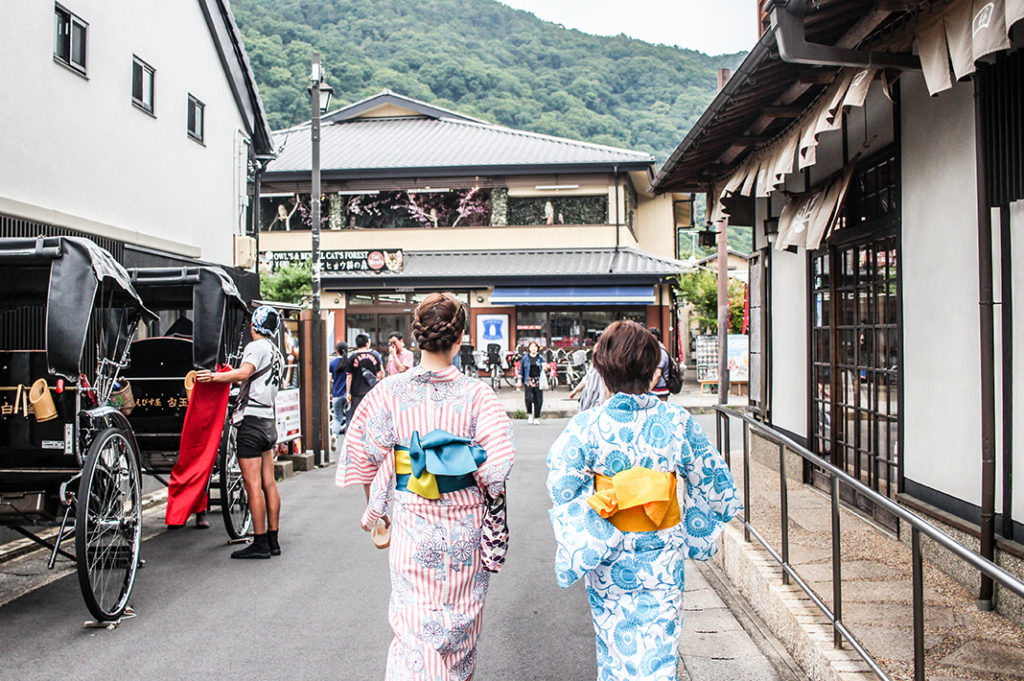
[438, 582]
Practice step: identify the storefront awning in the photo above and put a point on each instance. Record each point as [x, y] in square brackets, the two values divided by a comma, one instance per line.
[578, 295]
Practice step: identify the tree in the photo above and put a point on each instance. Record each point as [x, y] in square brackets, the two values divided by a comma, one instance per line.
[291, 283]
[700, 289]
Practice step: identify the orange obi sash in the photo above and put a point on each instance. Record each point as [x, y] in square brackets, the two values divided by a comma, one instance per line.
[637, 499]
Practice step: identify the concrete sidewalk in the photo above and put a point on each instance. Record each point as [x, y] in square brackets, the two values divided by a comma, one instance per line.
[558, 405]
[961, 642]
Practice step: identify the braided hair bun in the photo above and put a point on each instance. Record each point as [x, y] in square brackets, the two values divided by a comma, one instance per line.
[439, 322]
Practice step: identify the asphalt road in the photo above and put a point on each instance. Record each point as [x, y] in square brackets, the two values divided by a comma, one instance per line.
[317, 612]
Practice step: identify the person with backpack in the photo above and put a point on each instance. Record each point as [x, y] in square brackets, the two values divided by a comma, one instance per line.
[365, 368]
[255, 419]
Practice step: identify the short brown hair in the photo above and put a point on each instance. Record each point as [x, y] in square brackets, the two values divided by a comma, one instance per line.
[626, 357]
[438, 322]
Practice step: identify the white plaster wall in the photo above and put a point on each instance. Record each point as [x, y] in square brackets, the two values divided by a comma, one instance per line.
[78, 146]
[789, 341]
[942, 403]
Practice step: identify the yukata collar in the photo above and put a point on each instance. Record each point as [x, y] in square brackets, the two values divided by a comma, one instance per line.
[628, 402]
[446, 375]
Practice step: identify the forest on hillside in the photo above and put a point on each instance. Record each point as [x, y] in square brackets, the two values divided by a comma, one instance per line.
[481, 58]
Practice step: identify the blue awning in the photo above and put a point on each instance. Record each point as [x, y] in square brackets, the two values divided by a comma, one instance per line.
[574, 295]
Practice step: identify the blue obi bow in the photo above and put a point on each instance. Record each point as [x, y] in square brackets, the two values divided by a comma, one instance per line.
[438, 453]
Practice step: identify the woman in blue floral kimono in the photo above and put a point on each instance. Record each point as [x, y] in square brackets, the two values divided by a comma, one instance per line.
[612, 478]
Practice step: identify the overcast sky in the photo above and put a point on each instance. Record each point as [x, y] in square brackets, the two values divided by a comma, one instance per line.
[710, 26]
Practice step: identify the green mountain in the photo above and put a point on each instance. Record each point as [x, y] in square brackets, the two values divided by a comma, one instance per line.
[484, 59]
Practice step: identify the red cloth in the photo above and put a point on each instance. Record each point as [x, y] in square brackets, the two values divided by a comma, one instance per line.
[200, 440]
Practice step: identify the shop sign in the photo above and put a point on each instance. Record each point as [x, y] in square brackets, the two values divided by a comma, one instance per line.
[370, 260]
[289, 422]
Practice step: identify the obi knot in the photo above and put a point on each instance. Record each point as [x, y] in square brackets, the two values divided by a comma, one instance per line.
[437, 462]
[637, 499]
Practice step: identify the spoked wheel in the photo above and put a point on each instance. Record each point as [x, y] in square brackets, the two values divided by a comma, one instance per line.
[108, 524]
[495, 372]
[234, 502]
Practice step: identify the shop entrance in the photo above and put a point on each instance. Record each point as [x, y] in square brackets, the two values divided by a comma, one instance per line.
[378, 325]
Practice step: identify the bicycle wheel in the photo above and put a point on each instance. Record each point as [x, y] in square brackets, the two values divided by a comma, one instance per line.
[108, 524]
[495, 377]
[234, 502]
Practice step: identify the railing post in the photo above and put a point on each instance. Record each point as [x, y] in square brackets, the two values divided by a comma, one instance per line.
[746, 482]
[718, 430]
[837, 567]
[784, 502]
[918, 587]
[727, 425]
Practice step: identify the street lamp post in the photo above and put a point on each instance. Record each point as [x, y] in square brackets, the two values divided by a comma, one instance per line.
[316, 87]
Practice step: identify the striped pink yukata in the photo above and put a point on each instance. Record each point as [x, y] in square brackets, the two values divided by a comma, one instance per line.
[438, 583]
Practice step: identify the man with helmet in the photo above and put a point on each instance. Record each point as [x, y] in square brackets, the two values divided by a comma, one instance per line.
[254, 418]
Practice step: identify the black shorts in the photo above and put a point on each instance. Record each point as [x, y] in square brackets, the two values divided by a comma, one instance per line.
[255, 436]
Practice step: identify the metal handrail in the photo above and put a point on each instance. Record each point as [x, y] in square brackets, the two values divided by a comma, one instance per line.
[918, 526]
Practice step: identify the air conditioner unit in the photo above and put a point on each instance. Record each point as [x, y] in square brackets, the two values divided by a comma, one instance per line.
[245, 252]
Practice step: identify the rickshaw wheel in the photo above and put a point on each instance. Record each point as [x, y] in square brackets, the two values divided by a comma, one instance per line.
[108, 524]
[234, 502]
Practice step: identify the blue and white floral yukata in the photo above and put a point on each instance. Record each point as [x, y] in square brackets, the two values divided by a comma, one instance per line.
[635, 579]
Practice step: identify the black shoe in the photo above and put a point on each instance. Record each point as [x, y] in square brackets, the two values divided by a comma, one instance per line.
[272, 543]
[256, 549]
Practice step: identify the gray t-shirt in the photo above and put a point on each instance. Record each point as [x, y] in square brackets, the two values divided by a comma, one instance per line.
[261, 353]
[662, 384]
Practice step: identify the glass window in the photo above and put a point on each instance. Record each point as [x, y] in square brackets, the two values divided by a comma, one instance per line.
[196, 113]
[565, 328]
[142, 84]
[594, 324]
[531, 327]
[356, 324]
[69, 39]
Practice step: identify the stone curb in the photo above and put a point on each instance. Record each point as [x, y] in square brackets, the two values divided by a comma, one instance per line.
[802, 628]
[20, 547]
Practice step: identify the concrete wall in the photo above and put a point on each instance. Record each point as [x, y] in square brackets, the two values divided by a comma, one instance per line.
[76, 147]
[942, 407]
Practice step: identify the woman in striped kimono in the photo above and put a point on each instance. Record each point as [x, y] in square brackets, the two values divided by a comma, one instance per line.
[425, 444]
[612, 478]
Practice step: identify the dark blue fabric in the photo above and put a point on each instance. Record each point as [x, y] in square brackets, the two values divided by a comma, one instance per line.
[524, 366]
[445, 483]
[339, 373]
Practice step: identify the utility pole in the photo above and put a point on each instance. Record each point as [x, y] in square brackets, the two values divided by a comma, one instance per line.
[315, 79]
[723, 285]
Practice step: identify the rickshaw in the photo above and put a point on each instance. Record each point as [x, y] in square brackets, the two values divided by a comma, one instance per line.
[67, 458]
[161, 363]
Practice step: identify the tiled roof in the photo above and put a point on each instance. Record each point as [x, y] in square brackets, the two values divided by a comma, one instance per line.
[436, 140]
[584, 265]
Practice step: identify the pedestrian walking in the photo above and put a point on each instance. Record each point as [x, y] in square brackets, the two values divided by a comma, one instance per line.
[659, 382]
[534, 380]
[399, 358]
[591, 390]
[365, 369]
[260, 375]
[427, 444]
[339, 386]
[612, 478]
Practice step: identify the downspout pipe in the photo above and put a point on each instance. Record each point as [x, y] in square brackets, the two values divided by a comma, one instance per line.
[787, 21]
[987, 338]
[1005, 247]
[618, 222]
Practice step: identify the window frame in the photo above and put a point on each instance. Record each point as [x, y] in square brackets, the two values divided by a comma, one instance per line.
[200, 109]
[63, 14]
[140, 104]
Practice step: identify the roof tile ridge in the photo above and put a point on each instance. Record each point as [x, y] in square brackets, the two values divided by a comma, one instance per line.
[551, 138]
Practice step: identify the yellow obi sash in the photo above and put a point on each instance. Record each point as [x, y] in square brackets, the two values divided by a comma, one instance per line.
[637, 499]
